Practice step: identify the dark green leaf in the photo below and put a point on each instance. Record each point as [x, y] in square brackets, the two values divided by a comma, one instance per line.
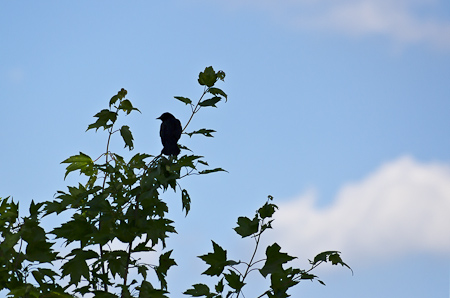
[165, 262]
[188, 161]
[76, 268]
[274, 261]
[281, 280]
[146, 290]
[247, 227]
[267, 210]
[120, 95]
[325, 256]
[217, 91]
[186, 201]
[158, 229]
[102, 294]
[77, 229]
[184, 99]
[127, 107]
[217, 260]
[113, 100]
[34, 208]
[203, 131]
[234, 280]
[142, 270]
[211, 171]
[308, 276]
[208, 77]
[39, 251]
[198, 290]
[117, 262]
[106, 119]
[127, 136]
[41, 273]
[137, 161]
[219, 286]
[203, 162]
[332, 256]
[220, 75]
[211, 102]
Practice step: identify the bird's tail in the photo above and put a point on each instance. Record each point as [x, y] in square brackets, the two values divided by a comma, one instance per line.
[171, 149]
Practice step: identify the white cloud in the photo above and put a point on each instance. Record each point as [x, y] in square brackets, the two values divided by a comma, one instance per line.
[404, 21]
[402, 208]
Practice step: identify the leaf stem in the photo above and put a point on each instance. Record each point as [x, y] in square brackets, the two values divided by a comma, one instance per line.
[196, 109]
[250, 264]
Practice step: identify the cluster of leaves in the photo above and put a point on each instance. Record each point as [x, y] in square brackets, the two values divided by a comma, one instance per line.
[118, 214]
[25, 244]
[232, 274]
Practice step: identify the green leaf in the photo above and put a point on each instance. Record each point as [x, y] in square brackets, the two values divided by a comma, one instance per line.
[308, 276]
[211, 171]
[106, 119]
[184, 99]
[37, 249]
[137, 161]
[217, 91]
[274, 261]
[120, 95]
[113, 100]
[220, 75]
[142, 270]
[281, 280]
[217, 260]
[102, 294]
[198, 290]
[247, 227]
[34, 208]
[208, 77]
[117, 262]
[157, 230]
[210, 102]
[203, 162]
[165, 262]
[127, 107]
[186, 201]
[80, 162]
[40, 251]
[77, 229]
[146, 290]
[203, 131]
[24, 290]
[234, 280]
[332, 256]
[9, 241]
[219, 286]
[267, 210]
[77, 266]
[188, 161]
[40, 274]
[127, 136]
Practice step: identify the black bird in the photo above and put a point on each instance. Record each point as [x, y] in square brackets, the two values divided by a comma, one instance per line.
[170, 133]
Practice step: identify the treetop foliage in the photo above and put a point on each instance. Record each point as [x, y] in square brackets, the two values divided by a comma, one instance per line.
[118, 213]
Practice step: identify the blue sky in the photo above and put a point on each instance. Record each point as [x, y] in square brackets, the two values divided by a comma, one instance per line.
[339, 109]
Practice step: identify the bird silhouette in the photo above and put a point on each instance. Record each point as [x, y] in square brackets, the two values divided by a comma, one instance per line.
[170, 133]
